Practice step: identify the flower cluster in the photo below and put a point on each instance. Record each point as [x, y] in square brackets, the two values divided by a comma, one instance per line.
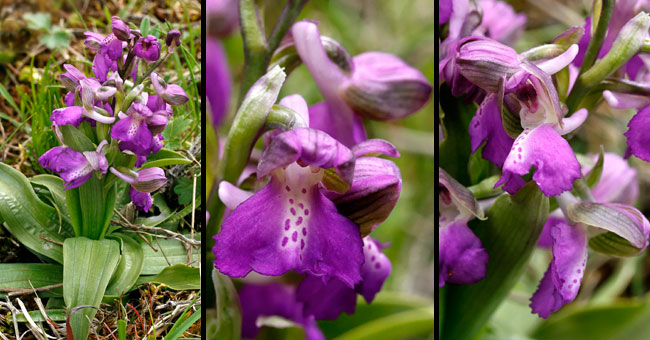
[117, 111]
[327, 189]
[524, 109]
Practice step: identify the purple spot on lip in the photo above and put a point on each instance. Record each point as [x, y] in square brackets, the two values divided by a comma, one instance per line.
[287, 187]
[293, 211]
[304, 231]
[579, 271]
[291, 200]
[299, 221]
[294, 236]
[575, 281]
[372, 258]
[284, 241]
[306, 211]
[304, 191]
[287, 224]
[302, 244]
[377, 265]
[301, 206]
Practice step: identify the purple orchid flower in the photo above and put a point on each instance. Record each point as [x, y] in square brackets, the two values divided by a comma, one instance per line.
[326, 300]
[219, 83]
[617, 189]
[461, 257]
[290, 223]
[148, 48]
[142, 200]
[133, 131]
[74, 167]
[71, 77]
[380, 86]
[274, 299]
[500, 22]
[526, 90]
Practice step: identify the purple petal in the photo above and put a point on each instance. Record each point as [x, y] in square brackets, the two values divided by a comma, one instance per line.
[309, 147]
[556, 166]
[134, 135]
[444, 11]
[618, 181]
[101, 65]
[111, 46]
[375, 146]
[338, 121]
[461, 257]
[556, 64]
[218, 83]
[288, 225]
[545, 239]
[486, 126]
[298, 104]
[573, 122]
[142, 200]
[326, 301]
[500, 22]
[67, 115]
[562, 280]
[638, 138]
[71, 165]
[375, 270]
[148, 48]
[232, 196]
[624, 101]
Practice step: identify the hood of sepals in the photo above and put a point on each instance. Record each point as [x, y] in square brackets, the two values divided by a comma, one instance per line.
[74, 167]
[71, 77]
[456, 202]
[484, 61]
[157, 122]
[94, 41]
[120, 29]
[146, 180]
[148, 48]
[290, 224]
[170, 93]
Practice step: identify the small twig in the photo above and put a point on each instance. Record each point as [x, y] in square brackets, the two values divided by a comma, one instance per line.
[23, 291]
[50, 240]
[163, 253]
[125, 223]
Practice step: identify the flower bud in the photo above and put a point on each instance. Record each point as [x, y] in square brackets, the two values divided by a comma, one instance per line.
[146, 180]
[484, 61]
[120, 29]
[172, 94]
[173, 37]
[383, 87]
[148, 48]
[94, 41]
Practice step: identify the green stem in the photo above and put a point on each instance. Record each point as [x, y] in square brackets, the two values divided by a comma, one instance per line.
[288, 17]
[255, 45]
[596, 42]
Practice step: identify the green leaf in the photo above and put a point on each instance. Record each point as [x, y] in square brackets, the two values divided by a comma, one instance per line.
[165, 162]
[228, 308]
[26, 216]
[180, 328]
[75, 139]
[624, 320]
[38, 21]
[593, 176]
[56, 315]
[129, 268]
[455, 149]
[144, 26]
[468, 307]
[54, 185]
[175, 130]
[28, 275]
[58, 38]
[397, 326]
[168, 250]
[184, 189]
[93, 204]
[176, 277]
[87, 269]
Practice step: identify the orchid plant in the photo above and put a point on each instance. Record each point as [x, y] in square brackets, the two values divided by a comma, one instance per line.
[308, 203]
[108, 165]
[513, 117]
